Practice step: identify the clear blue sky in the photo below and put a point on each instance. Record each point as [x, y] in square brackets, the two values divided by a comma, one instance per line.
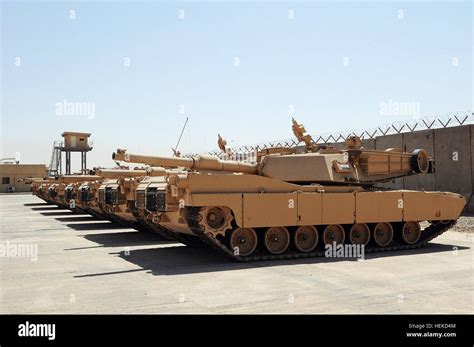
[190, 62]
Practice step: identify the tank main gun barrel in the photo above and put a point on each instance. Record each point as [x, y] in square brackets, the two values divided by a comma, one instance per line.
[200, 162]
[161, 171]
[30, 180]
[77, 178]
[122, 155]
[117, 173]
[120, 173]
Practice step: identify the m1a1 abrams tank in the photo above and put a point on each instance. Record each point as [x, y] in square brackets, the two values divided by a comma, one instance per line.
[105, 195]
[292, 205]
[145, 203]
[116, 196]
[39, 187]
[119, 199]
[88, 197]
[142, 207]
[61, 189]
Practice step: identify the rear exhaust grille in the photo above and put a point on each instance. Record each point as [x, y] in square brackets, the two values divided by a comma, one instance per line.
[140, 199]
[69, 193]
[108, 196]
[156, 200]
[114, 196]
[52, 192]
[102, 196]
[83, 194]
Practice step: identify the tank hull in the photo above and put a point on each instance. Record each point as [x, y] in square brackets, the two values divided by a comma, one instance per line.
[261, 206]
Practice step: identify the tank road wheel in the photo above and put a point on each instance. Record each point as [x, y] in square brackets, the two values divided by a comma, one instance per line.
[306, 238]
[243, 241]
[411, 232]
[277, 240]
[333, 233]
[215, 220]
[383, 234]
[359, 234]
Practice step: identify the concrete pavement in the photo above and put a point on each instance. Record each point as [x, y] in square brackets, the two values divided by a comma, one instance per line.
[85, 265]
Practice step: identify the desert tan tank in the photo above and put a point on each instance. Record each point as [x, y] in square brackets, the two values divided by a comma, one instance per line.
[42, 191]
[82, 193]
[116, 196]
[39, 187]
[63, 190]
[117, 199]
[290, 205]
[102, 196]
[144, 190]
[60, 191]
[133, 191]
[87, 198]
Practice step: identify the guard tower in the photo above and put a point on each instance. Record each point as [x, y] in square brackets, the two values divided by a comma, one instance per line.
[72, 142]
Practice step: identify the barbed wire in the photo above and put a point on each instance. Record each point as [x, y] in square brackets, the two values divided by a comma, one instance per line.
[422, 123]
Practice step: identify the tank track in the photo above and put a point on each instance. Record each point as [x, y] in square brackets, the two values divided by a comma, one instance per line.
[193, 219]
[188, 240]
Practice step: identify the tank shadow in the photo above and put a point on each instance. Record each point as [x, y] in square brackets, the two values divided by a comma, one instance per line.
[61, 213]
[79, 218]
[96, 226]
[108, 273]
[180, 259]
[121, 239]
[47, 208]
[125, 238]
[37, 204]
[185, 260]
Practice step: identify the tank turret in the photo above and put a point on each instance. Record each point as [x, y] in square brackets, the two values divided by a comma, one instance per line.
[326, 165]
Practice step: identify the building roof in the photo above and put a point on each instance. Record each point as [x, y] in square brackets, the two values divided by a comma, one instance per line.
[75, 133]
[22, 165]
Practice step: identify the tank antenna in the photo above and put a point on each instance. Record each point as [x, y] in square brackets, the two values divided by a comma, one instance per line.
[177, 153]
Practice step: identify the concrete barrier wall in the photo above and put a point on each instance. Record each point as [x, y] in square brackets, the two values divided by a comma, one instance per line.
[453, 160]
[453, 151]
[369, 144]
[471, 203]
